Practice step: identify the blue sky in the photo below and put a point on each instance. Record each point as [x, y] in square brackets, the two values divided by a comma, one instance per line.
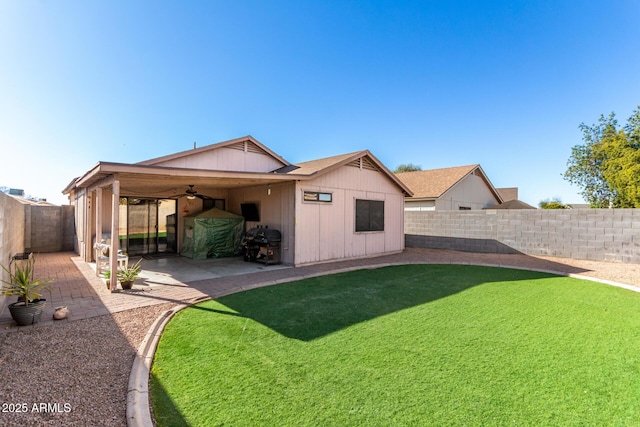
[435, 83]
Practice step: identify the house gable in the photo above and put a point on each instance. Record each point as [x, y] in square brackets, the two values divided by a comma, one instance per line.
[475, 187]
[359, 160]
[471, 192]
[241, 155]
[461, 187]
[433, 184]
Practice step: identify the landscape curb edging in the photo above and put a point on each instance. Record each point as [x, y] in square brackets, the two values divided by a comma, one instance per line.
[138, 410]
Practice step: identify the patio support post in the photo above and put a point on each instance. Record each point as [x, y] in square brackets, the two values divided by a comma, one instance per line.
[97, 206]
[115, 234]
[88, 205]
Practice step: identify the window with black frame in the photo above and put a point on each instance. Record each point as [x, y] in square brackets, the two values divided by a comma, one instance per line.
[369, 215]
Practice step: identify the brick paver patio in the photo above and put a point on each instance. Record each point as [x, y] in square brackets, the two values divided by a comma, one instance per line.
[85, 295]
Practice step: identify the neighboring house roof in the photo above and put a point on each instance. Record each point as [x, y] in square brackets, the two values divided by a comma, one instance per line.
[434, 183]
[32, 202]
[510, 193]
[512, 204]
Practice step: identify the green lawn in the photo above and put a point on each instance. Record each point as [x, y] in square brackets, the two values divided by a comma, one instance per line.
[405, 346]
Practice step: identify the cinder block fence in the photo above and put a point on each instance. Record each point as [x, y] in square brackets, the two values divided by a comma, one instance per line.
[592, 234]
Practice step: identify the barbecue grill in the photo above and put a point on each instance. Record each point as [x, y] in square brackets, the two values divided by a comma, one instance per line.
[262, 245]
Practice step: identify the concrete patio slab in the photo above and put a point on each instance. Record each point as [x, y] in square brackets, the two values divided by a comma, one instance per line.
[172, 270]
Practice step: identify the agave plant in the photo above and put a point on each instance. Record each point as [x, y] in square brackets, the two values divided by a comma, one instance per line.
[129, 274]
[22, 284]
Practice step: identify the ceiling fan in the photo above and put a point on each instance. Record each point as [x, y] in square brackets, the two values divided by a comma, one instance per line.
[192, 194]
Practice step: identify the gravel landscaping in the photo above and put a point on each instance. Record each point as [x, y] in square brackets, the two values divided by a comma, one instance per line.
[71, 373]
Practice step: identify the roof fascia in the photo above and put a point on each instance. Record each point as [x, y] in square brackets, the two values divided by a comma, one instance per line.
[109, 168]
[490, 185]
[421, 199]
[88, 175]
[71, 186]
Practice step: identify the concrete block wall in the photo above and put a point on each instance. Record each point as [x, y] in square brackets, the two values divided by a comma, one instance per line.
[11, 228]
[11, 232]
[48, 228]
[592, 234]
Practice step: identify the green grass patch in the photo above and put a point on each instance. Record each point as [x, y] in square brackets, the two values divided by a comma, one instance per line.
[405, 346]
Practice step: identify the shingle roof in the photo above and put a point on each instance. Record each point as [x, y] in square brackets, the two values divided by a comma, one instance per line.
[512, 204]
[509, 193]
[434, 183]
[313, 166]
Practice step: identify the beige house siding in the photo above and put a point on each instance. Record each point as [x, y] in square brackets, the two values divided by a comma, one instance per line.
[472, 192]
[394, 222]
[226, 159]
[276, 211]
[326, 231]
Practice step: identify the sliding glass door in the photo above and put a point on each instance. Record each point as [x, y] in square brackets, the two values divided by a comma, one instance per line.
[147, 226]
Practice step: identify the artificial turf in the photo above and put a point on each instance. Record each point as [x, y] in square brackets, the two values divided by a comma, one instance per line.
[404, 346]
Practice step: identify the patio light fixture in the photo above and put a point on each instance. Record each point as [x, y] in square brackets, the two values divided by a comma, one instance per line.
[191, 193]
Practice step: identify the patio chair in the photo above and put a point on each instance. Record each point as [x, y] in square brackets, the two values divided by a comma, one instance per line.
[103, 262]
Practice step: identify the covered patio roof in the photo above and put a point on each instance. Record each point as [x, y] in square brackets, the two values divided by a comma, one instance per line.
[162, 181]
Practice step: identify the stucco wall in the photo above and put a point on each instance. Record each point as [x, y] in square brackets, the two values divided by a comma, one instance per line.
[593, 234]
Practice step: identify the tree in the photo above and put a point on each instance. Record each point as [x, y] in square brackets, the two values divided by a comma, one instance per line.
[408, 167]
[554, 203]
[607, 165]
[621, 164]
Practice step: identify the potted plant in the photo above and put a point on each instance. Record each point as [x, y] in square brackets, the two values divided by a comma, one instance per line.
[128, 275]
[107, 277]
[21, 283]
